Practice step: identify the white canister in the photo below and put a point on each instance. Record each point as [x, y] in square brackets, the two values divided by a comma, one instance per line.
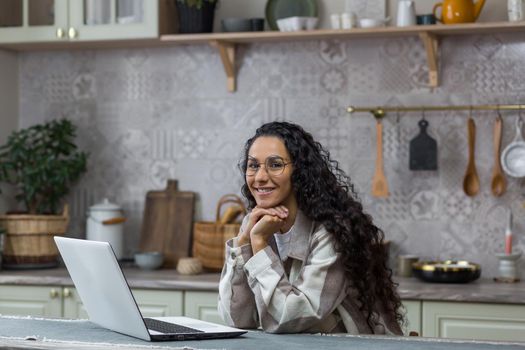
[515, 10]
[105, 222]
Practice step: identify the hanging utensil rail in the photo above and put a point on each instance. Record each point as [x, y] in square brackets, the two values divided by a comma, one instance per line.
[379, 112]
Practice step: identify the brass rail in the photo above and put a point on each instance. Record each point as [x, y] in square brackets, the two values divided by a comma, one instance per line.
[380, 112]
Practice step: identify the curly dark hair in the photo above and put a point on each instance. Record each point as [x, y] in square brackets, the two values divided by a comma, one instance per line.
[326, 195]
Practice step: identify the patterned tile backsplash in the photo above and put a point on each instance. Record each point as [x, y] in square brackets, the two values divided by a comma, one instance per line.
[147, 115]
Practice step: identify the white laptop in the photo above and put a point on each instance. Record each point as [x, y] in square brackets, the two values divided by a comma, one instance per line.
[108, 300]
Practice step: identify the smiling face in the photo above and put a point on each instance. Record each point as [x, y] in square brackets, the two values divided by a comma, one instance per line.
[267, 189]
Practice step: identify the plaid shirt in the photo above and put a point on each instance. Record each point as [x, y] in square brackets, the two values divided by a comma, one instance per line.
[307, 293]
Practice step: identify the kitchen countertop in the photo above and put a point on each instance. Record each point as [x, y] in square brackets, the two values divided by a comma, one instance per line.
[482, 290]
[37, 333]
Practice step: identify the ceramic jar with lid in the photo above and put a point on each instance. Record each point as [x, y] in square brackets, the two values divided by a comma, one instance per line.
[105, 222]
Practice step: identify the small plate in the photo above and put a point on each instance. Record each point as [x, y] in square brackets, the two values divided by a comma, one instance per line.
[277, 9]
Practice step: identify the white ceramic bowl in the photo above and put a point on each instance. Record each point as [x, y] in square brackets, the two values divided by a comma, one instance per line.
[371, 22]
[149, 260]
[296, 23]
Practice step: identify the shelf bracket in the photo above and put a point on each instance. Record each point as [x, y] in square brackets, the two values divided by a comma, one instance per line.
[227, 53]
[430, 42]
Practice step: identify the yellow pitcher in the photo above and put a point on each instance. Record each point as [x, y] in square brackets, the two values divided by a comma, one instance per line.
[458, 11]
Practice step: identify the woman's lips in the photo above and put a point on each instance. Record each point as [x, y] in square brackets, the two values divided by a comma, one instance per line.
[263, 192]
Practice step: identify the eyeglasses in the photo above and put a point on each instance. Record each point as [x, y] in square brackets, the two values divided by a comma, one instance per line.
[274, 166]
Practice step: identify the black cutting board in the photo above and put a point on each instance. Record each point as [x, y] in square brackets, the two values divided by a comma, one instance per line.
[423, 150]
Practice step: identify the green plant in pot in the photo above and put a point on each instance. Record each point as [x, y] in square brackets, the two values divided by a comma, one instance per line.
[41, 162]
[196, 16]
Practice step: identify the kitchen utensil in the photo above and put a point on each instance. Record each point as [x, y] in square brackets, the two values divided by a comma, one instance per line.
[291, 24]
[149, 260]
[348, 20]
[426, 19]
[167, 223]
[513, 156]
[471, 179]
[277, 9]
[373, 22]
[406, 13]
[404, 265]
[515, 9]
[257, 24]
[448, 271]
[458, 11]
[236, 25]
[423, 150]
[507, 268]
[498, 183]
[105, 222]
[379, 183]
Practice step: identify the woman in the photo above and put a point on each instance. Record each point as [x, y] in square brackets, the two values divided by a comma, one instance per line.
[307, 258]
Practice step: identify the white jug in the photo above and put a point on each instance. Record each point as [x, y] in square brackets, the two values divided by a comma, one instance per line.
[105, 222]
[406, 13]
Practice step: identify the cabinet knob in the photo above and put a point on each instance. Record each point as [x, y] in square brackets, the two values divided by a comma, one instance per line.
[61, 33]
[67, 293]
[72, 33]
[53, 293]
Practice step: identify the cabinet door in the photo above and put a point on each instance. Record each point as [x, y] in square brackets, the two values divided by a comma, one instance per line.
[33, 20]
[73, 307]
[413, 316]
[31, 301]
[156, 303]
[474, 321]
[113, 19]
[202, 305]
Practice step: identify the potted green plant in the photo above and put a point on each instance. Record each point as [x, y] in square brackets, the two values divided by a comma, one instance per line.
[196, 16]
[41, 162]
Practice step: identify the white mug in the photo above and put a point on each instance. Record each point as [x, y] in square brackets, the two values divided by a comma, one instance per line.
[348, 20]
[406, 13]
[335, 20]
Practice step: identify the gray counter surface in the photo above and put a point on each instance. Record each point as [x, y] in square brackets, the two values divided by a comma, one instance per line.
[482, 290]
[37, 333]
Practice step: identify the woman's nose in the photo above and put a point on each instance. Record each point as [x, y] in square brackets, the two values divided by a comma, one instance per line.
[261, 174]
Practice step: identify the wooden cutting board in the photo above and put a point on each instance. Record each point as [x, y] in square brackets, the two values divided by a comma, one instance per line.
[167, 223]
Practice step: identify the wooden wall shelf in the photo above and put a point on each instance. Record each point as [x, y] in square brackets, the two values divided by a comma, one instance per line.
[226, 43]
[429, 34]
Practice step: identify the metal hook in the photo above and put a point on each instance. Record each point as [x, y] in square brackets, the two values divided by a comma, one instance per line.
[498, 110]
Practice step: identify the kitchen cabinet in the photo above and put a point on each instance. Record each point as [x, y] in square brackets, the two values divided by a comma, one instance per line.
[203, 306]
[473, 321]
[56, 301]
[37, 21]
[412, 316]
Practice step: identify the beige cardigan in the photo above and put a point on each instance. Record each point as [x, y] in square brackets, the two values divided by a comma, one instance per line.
[308, 293]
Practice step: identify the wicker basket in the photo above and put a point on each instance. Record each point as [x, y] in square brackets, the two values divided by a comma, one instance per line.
[209, 237]
[29, 239]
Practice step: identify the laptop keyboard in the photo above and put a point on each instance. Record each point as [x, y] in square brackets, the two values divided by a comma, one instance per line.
[166, 327]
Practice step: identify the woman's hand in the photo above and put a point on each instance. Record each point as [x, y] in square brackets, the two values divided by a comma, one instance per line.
[264, 231]
[270, 222]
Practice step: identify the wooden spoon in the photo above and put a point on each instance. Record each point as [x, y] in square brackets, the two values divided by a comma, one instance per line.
[498, 184]
[379, 184]
[471, 180]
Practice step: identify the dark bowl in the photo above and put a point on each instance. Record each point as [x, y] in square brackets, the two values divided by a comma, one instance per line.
[236, 25]
[448, 271]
